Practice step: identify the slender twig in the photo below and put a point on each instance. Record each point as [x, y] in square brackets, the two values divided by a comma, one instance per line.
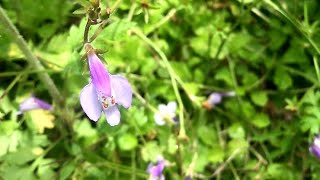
[131, 11]
[173, 77]
[170, 14]
[11, 85]
[316, 67]
[30, 57]
[98, 31]
[14, 73]
[222, 166]
[297, 24]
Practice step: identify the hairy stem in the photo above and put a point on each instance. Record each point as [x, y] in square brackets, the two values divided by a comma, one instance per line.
[30, 57]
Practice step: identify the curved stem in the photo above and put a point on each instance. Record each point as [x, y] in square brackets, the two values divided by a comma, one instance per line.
[30, 57]
[173, 77]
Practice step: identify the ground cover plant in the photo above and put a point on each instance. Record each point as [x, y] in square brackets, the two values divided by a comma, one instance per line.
[167, 89]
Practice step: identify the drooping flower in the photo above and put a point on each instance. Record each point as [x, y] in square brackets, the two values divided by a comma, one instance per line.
[315, 146]
[32, 103]
[155, 170]
[216, 98]
[166, 113]
[104, 92]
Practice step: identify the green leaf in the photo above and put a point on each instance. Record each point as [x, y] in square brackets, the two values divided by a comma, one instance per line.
[127, 142]
[84, 129]
[259, 98]
[116, 31]
[207, 135]
[150, 151]
[67, 170]
[282, 79]
[223, 74]
[260, 120]
[236, 131]
[216, 154]
[21, 156]
[239, 146]
[172, 145]
[18, 172]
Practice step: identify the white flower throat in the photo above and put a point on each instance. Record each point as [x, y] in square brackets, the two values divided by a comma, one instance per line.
[107, 102]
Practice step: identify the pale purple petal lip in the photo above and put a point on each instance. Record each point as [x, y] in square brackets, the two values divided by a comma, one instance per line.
[90, 103]
[32, 103]
[122, 90]
[112, 115]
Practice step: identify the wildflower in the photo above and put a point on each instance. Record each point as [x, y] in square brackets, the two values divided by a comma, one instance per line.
[104, 92]
[155, 171]
[166, 113]
[315, 146]
[216, 98]
[32, 103]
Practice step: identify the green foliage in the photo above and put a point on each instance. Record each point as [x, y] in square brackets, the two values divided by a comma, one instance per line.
[265, 51]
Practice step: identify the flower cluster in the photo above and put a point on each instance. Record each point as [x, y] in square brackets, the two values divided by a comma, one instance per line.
[105, 91]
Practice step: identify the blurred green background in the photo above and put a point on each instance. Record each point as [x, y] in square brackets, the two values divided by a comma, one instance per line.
[266, 51]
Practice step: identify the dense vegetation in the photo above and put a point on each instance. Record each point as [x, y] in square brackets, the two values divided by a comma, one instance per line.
[260, 56]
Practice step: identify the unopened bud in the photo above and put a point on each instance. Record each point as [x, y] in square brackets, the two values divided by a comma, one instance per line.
[105, 14]
[95, 3]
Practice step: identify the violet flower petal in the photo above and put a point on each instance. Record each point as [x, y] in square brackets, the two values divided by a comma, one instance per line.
[122, 90]
[112, 115]
[156, 170]
[315, 146]
[90, 103]
[99, 75]
[214, 98]
[315, 150]
[32, 103]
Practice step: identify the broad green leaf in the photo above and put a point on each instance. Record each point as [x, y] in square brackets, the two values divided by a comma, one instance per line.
[236, 131]
[282, 79]
[150, 151]
[260, 120]
[259, 98]
[207, 135]
[216, 154]
[127, 142]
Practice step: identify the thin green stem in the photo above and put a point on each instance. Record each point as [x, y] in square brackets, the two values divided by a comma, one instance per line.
[6, 74]
[165, 19]
[297, 24]
[316, 67]
[30, 57]
[131, 11]
[11, 85]
[173, 77]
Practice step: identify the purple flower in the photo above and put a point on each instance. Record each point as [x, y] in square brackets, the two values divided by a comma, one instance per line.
[166, 113]
[216, 98]
[104, 92]
[155, 171]
[315, 146]
[32, 103]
